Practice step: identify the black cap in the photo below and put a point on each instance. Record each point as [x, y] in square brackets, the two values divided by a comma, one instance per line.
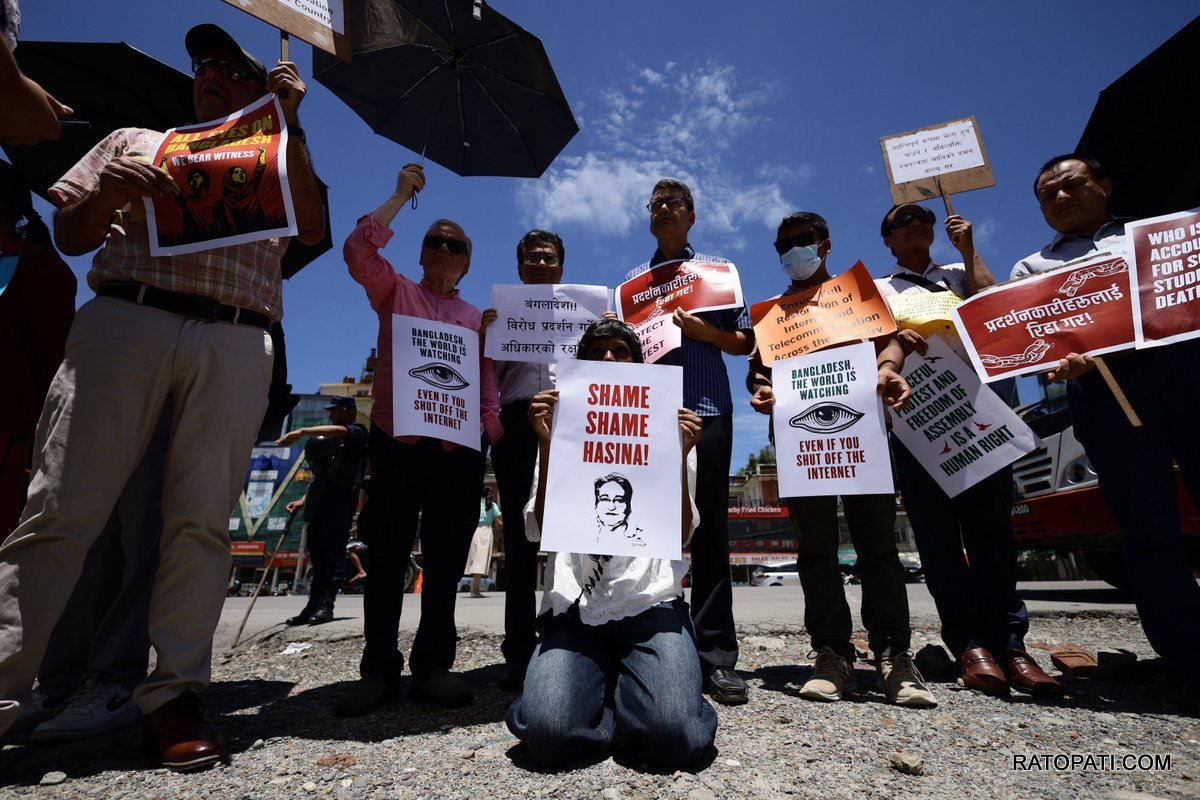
[341, 402]
[206, 36]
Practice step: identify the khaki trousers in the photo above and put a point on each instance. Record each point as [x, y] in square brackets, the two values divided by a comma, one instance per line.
[122, 363]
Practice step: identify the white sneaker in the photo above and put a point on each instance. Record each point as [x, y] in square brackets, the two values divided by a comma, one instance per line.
[902, 682]
[832, 677]
[98, 707]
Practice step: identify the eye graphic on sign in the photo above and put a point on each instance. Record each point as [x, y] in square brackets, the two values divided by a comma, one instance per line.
[825, 418]
[439, 375]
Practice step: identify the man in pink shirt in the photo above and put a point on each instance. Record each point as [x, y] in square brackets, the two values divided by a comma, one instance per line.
[412, 477]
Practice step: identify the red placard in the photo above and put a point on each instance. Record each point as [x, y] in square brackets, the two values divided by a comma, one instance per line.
[690, 285]
[1166, 257]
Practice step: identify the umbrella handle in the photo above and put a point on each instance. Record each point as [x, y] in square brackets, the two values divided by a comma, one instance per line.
[421, 164]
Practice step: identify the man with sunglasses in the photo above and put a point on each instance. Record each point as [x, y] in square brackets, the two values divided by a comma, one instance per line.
[415, 477]
[984, 622]
[192, 329]
[706, 336]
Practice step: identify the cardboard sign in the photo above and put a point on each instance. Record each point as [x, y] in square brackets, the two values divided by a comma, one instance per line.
[321, 23]
[1166, 278]
[847, 308]
[435, 380]
[828, 424]
[613, 482]
[951, 154]
[1026, 326]
[541, 322]
[655, 294]
[231, 183]
[957, 428]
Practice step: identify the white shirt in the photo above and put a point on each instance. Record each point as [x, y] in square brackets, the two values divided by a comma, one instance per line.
[609, 587]
[951, 276]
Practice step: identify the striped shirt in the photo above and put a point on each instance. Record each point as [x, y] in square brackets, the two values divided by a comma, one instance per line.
[705, 380]
[245, 275]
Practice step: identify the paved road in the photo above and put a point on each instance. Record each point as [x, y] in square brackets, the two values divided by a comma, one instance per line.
[767, 608]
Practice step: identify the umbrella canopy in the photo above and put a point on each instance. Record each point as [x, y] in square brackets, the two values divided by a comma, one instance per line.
[476, 95]
[1143, 130]
[112, 85]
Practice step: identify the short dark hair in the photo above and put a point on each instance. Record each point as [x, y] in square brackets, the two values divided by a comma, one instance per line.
[679, 186]
[817, 222]
[539, 236]
[608, 328]
[451, 223]
[1092, 164]
[621, 481]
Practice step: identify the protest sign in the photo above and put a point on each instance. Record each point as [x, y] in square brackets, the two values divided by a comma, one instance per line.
[321, 23]
[828, 424]
[847, 308]
[541, 322]
[955, 427]
[231, 184]
[613, 482]
[1166, 278]
[654, 295]
[936, 161]
[1026, 326]
[435, 380]
[930, 314]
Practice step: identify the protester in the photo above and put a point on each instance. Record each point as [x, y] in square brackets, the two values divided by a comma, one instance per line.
[330, 502]
[155, 332]
[984, 622]
[411, 476]
[803, 245]
[706, 336]
[1134, 464]
[30, 112]
[479, 557]
[540, 259]
[617, 666]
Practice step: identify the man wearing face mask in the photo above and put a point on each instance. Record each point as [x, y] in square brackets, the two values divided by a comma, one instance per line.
[803, 245]
[984, 622]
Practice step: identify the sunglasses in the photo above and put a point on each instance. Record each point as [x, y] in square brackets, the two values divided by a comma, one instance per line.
[904, 220]
[799, 240]
[455, 246]
[672, 203]
[231, 71]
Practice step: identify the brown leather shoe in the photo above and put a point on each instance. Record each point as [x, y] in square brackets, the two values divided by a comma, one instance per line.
[1025, 675]
[979, 671]
[180, 735]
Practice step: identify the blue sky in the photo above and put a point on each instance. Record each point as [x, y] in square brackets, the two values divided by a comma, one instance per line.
[763, 107]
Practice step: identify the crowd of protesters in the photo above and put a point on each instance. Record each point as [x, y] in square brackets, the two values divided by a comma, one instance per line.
[138, 416]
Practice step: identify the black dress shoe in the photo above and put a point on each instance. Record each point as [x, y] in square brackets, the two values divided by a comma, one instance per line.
[726, 687]
[364, 696]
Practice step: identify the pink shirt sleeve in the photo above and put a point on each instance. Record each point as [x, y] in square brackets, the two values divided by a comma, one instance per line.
[367, 266]
[489, 398]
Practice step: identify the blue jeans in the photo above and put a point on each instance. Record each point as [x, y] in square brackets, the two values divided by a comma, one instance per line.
[631, 685]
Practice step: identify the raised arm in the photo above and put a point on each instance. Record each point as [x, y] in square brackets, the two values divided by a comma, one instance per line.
[285, 82]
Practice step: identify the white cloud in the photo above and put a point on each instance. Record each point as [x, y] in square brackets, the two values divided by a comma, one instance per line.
[689, 123]
[866, 169]
[983, 232]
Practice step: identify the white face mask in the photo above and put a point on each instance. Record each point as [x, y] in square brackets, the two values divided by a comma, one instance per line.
[800, 263]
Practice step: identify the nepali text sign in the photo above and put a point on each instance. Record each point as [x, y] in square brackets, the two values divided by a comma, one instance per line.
[1026, 326]
[938, 160]
[1166, 277]
[231, 183]
[542, 322]
[955, 427]
[847, 308]
[613, 485]
[653, 296]
[828, 424]
[321, 23]
[435, 380]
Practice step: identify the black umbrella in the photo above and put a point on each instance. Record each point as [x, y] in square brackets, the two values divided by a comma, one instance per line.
[1145, 130]
[112, 85]
[455, 81]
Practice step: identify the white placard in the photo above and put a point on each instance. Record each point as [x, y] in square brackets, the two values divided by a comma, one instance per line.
[542, 322]
[957, 428]
[658, 336]
[435, 380]
[928, 153]
[828, 424]
[326, 12]
[614, 480]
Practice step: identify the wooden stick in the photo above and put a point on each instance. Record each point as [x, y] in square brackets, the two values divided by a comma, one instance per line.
[266, 568]
[283, 45]
[945, 197]
[1118, 393]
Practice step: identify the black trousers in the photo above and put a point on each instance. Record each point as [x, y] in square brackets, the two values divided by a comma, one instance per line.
[712, 587]
[416, 484]
[513, 458]
[328, 532]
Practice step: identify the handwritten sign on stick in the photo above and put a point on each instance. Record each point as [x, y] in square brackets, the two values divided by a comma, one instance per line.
[321, 23]
[950, 154]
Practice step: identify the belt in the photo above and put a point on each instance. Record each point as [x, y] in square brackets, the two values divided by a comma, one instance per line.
[187, 305]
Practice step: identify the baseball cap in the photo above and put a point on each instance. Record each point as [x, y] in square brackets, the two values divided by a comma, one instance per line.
[341, 401]
[206, 36]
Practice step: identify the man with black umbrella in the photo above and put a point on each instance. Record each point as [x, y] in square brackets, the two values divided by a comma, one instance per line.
[1134, 464]
[190, 328]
